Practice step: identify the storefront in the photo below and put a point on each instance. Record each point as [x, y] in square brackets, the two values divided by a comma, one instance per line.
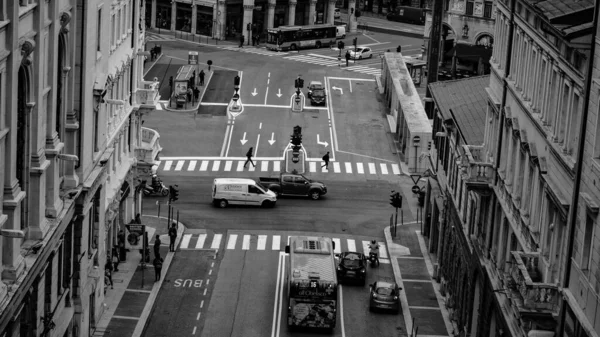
[280, 10]
[235, 19]
[320, 9]
[163, 14]
[183, 20]
[204, 20]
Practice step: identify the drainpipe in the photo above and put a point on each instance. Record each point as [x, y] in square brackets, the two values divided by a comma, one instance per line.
[511, 30]
[579, 166]
[81, 80]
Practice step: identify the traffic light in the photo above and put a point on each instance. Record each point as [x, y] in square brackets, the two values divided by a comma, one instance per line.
[351, 10]
[300, 83]
[296, 139]
[399, 49]
[236, 80]
[249, 26]
[429, 146]
[355, 41]
[171, 81]
[173, 193]
[341, 45]
[396, 199]
[297, 130]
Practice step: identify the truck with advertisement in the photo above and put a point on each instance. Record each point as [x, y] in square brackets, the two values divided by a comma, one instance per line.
[312, 283]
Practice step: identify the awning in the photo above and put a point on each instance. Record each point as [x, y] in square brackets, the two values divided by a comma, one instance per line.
[471, 52]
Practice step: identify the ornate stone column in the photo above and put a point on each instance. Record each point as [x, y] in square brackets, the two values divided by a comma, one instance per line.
[152, 14]
[312, 12]
[173, 15]
[271, 14]
[351, 18]
[221, 20]
[194, 18]
[248, 11]
[292, 12]
[330, 11]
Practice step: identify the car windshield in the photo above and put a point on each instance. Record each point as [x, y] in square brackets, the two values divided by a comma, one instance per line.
[306, 178]
[317, 86]
[385, 291]
[360, 50]
[261, 186]
[352, 261]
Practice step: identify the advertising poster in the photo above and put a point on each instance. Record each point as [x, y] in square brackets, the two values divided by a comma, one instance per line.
[316, 315]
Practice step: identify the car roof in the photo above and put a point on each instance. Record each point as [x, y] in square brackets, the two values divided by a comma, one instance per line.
[362, 47]
[384, 284]
[315, 82]
[224, 181]
[360, 255]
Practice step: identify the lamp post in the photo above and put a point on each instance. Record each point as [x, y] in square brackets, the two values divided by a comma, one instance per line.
[416, 142]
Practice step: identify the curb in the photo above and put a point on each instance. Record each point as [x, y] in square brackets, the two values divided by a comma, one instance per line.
[367, 28]
[398, 277]
[142, 322]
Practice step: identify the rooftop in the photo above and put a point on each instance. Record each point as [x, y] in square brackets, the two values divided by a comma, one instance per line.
[465, 101]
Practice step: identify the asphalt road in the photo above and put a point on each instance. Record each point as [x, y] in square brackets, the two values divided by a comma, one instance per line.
[232, 293]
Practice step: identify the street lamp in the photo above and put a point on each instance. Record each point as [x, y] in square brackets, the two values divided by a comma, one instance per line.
[416, 142]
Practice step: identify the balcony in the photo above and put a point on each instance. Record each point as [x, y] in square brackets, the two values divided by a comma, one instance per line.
[150, 148]
[146, 96]
[479, 174]
[530, 294]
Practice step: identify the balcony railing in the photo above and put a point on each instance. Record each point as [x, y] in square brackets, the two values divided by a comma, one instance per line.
[531, 294]
[150, 148]
[477, 170]
[146, 96]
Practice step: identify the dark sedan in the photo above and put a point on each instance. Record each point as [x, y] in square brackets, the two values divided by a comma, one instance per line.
[385, 296]
[352, 266]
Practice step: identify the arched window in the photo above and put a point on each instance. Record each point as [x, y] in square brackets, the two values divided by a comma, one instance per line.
[485, 40]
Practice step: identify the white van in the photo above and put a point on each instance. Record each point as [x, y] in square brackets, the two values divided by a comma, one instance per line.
[340, 32]
[238, 191]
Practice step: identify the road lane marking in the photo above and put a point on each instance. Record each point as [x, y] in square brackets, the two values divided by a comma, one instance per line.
[277, 303]
[365, 245]
[342, 312]
[348, 167]
[276, 166]
[198, 317]
[276, 242]
[240, 166]
[262, 242]
[168, 164]
[246, 242]
[127, 317]
[383, 251]
[395, 169]
[231, 242]
[338, 246]
[192, 165]
[185, 241]
[216, 242]
[336, 167]
[372, 169]
[383, 168]
[228, 165]
[352, 79]
[200, 242]
[351, 245]
[251, 167]
[359, 168]
[204, 165]
[264, 166]
[216, 165]
[323, 169]
[179, 165]
[194, 332]
[312, 166]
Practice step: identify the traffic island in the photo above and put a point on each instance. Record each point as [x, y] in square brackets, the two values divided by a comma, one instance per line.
[295, 160]
[297, 102]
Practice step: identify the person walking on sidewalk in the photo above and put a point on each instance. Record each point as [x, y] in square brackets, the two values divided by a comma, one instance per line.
[201, 77]
[241, 40]
[157, 246]
[172, 236]
[158, 261]
[347, 57]
[115, 259]
[108, 269]
[326, 160]
[249, 158]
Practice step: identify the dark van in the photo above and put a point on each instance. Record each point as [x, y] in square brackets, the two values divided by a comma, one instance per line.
[408, 14]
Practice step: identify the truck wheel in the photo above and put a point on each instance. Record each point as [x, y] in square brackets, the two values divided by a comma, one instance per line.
[222, 203]
[315, 195]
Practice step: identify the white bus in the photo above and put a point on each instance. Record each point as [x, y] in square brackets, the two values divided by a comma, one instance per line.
[299, 37]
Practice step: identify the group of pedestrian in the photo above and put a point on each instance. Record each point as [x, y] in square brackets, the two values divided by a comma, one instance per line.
[158, 260]
[250, 154]
[193, 92]
[112, 264]
[154, 52]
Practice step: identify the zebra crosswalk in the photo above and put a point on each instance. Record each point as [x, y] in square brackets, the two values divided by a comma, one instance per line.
[330, 62]
[264, 242]
[225, 165]
[253, 50]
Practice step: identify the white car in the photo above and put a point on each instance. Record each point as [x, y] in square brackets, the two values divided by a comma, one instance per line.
[360, 53]
[337, 13]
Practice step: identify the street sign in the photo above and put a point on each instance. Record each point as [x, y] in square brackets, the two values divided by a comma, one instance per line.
[193, 57]
[135, 235]
[415, 178]
[416, 189]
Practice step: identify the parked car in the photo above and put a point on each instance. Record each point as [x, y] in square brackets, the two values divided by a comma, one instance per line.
[352, 266]
[236, 191]
[289, 184]
[361, 52]
[316, 93]
[337, 13]
[385, 295]
[408, 14]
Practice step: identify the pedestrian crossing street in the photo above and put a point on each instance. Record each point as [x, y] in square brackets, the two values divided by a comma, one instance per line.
[253, 242]
[331, 62]
[254, 50]
[225, 165]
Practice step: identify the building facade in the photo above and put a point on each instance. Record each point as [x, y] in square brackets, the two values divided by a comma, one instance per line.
[527, 166]
[223, 19]
[71, 99]
[467, 33]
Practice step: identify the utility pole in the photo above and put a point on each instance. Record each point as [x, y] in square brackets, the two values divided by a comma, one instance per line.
[433, 55]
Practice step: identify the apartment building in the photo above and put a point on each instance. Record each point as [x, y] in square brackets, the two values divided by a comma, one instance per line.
[71, 99]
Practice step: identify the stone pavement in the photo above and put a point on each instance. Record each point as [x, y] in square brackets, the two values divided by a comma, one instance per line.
[128, 305]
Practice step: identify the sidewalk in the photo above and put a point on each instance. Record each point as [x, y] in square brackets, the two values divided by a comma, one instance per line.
[373, 23]
[128, 306]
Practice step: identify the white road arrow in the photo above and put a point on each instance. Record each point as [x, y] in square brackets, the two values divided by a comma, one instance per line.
[254, 93]
[340, 89]
[244, 140]
[272, 140]
[279, 93]
[320, 142]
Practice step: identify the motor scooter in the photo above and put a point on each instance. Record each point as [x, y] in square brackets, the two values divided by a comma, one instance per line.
[156, 188]
[373, 259]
